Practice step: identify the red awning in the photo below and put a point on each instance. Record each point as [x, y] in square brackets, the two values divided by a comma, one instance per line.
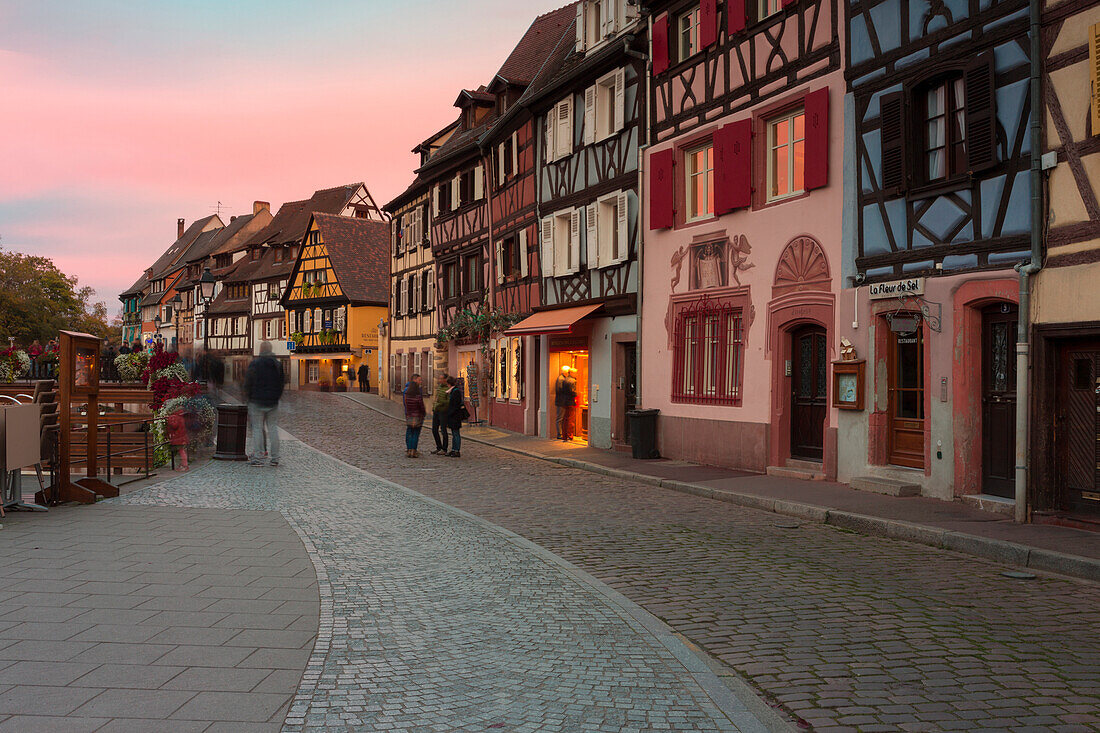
[556, 321]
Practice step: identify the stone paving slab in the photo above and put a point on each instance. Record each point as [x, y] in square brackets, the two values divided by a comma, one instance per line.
[103, 628]
[827, 624]
[434, 620]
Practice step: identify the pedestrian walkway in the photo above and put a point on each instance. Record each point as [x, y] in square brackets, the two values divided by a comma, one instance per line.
[949, 525]
[434, 620]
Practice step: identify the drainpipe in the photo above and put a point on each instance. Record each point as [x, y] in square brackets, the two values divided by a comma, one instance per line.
[1027, 270]
[647, 65]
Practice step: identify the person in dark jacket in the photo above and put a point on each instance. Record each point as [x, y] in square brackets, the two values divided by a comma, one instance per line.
[414, 416]
[263, 387]
[364, 377]
[456, 413]
[124, 349]
[565, 399]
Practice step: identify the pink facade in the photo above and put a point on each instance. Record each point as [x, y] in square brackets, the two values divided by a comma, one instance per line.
[777, 265]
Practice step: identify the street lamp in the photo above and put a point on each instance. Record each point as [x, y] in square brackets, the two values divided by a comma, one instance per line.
[206, 292]
[177, 303]
[156, 325]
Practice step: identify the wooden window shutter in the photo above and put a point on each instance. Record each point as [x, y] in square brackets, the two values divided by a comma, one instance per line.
[788, 3]
[580, 27]
[660, 44]
[479, 182]
[892, 122]
[817, 138]
[521, 246]
[425, 240]
[435, 201]
[500, 164]
[1094, 76]
[630, 12]
[500, 261]
[981, 114]
[546, 246]
[566, 118]
[549, 135]
[735, 16]
[620, 99]
[574, 262]
[733, 166]
[515, 153]
[623, 224]
[662, 189]
[610, 17]
[592, 235]
[590, 115]
[708, 23]
[456, 192]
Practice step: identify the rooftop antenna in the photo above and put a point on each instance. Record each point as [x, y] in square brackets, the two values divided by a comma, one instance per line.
[218, 208]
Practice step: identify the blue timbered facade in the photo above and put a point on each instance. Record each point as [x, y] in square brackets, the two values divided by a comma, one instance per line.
[937, 191]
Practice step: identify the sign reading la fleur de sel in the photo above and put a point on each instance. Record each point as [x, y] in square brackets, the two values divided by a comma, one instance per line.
[896, 288]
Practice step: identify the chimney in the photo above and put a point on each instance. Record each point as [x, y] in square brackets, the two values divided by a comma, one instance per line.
[258, 206]
[179, 228]
[232, 219]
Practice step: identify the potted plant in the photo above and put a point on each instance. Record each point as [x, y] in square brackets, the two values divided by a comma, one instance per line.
[341, 384]
[297, 337]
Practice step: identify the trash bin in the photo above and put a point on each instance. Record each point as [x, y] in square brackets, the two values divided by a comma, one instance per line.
[643, 433]
[232, 427]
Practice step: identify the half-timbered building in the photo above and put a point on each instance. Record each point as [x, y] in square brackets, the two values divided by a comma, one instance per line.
[337, 296]
[743, 232]
[210, 253]
[588, 105]
[937, 213]
[510, 153]
[1065, 313]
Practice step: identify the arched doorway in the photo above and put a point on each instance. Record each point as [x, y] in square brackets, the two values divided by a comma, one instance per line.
[809, 373]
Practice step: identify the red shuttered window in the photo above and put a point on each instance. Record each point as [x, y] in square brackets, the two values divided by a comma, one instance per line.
[660, 45]
[735, 15]
[733, 166]
[708, 23]
[817, 138]
[662, 189]
[708, 354]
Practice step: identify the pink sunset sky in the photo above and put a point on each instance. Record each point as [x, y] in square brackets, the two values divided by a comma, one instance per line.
[121, 116]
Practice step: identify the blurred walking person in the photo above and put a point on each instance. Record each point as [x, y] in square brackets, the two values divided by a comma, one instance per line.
[414, 416]
[263, 387]
[439, 414]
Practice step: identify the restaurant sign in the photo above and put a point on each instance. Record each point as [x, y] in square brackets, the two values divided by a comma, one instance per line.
[896, 288]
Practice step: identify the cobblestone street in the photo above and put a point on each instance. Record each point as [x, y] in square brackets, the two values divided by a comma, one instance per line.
[842, 630]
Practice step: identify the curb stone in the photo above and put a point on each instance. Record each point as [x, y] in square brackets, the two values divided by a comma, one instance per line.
[1001, 551]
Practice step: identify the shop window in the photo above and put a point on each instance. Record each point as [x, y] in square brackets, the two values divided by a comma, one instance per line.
[708, 354]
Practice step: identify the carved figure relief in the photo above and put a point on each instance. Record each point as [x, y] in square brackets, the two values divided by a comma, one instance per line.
[677, 264]
[739, 262]
[708, 265]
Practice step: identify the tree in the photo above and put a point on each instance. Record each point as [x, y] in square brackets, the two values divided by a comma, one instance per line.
[37, 300]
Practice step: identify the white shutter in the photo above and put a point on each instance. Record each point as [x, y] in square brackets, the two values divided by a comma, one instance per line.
[403, 304]
[418, 301]
[435, 201]
[500, 261]
[522, 253]
[580, 27]
[455, 184]
[623, 225]
[590, 115]
[548, 131]
[546, 246]
[479, 182]
[567, 117]
[620, 104]
[500, 164]
[574, 261]
[515, 153]
[611, 17]
[592, 235]
[419, 231]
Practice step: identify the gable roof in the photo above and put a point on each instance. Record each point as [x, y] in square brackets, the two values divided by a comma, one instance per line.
[291, 222]
[359, 251]
[520, 68]
[180, 246]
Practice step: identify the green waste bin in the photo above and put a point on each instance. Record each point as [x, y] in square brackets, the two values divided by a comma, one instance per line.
[643, 433]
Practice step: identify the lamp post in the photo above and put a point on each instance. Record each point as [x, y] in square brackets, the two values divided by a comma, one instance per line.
[177, 303]
[206, 292]
[156, 324]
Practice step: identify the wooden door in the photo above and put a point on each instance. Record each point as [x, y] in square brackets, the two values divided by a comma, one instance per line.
[808, 375]
[905, 387]
[626, 377]
[999, 400]
[1077, 426]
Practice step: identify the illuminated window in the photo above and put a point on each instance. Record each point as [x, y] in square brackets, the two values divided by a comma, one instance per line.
[786, 155]
[699, 164]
